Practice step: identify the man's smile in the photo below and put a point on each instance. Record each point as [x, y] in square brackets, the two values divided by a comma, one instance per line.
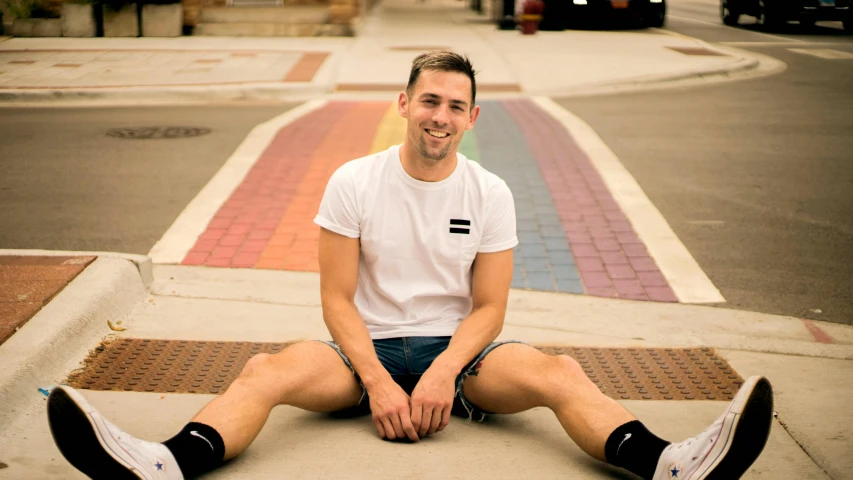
[437, 133]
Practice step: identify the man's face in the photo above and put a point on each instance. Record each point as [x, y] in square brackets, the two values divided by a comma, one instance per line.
[438, 113]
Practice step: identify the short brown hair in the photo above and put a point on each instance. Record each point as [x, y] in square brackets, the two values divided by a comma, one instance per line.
[442, 61]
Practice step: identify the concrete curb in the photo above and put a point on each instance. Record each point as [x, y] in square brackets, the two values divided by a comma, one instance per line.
[143, 263]
[191, 94]
[54, 341]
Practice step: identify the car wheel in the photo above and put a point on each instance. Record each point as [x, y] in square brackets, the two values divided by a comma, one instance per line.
[729, 15]
[807, 22]
[769, 16]
[848, 25]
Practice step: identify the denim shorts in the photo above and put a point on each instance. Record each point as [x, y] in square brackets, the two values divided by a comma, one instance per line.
[407, 358]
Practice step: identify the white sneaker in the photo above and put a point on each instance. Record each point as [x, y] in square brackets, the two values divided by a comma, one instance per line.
[98, 448]
[726, 449]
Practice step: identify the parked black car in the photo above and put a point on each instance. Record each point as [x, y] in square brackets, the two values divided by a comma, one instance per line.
[775, 13]
[650, 12]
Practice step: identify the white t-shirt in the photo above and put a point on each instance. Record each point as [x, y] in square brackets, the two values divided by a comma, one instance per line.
[418, 239]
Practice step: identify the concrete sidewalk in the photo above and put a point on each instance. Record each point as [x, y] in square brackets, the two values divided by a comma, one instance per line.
[811, 379]
[205, 69]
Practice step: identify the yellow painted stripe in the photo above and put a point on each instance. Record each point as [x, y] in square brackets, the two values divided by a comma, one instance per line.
[391, 131]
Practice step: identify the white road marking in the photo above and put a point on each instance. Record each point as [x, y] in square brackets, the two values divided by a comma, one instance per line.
[191, 223]
[773, 44]
[688, 281]
[825, 53]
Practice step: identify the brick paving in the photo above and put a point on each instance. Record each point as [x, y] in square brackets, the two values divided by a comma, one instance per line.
[27, 283]
[573, 237]
[34, 69]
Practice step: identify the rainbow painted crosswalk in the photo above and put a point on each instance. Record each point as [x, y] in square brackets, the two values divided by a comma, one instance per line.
[573, 236]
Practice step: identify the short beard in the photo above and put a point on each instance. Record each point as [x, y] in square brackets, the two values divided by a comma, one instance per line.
[422, 149]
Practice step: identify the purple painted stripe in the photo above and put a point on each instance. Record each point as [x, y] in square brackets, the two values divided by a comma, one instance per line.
[612, 261]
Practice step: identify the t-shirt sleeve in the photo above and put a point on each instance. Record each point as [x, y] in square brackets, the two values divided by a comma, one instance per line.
[339, 207]
[499, 231]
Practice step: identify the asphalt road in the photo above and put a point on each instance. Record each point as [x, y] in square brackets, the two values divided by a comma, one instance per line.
[754, 176]
[66, 185]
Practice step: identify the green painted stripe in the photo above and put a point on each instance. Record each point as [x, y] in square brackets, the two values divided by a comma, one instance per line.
[468, 146]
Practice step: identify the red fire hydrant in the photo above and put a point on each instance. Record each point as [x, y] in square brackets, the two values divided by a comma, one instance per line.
[531, 16]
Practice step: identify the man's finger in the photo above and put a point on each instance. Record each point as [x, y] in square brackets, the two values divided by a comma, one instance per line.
[389, 428]
[410, 430]
[379, 427]
[426, 421]
[445, 417]
[436, 421]
[398, 427]
[417, 415]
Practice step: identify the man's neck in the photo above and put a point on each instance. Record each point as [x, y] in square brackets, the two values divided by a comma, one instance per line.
[425, 170]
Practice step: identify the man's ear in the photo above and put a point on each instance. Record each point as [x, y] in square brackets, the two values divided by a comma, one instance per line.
[403, 105]
[475, 112]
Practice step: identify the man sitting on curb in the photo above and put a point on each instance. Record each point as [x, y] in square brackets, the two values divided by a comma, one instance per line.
[416, 263]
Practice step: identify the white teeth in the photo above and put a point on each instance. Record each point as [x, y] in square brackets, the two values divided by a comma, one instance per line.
[437, 134]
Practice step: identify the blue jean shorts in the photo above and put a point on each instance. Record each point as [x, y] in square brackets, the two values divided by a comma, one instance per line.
[407, 358]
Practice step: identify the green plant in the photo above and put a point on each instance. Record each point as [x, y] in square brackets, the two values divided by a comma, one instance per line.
[19, 8]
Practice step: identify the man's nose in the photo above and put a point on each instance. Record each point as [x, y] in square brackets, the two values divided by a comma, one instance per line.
[441, 116]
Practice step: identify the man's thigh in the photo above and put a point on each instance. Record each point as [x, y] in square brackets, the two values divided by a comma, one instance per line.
[509, 379]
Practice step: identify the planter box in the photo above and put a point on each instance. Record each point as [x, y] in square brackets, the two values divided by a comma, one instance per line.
[162, 20]
[78, 20]
[122, 23]
[37, 27]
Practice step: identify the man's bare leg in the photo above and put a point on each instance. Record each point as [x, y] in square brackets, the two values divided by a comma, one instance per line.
[308, 375]
[516, 377]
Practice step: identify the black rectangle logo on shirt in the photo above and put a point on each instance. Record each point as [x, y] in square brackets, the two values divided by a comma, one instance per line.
[455, 221]
[463, 231]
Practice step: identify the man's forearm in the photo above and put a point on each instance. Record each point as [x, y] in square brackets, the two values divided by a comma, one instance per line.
[476, 331]
[351, 334]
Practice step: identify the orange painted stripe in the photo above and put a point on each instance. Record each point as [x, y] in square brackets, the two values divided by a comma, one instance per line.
[306, 67]
[293, 245]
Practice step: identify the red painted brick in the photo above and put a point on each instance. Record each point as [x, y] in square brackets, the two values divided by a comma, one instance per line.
[268, 224]
[595, 221]
[602, 292]
[635, 250]
[608, 245]
[652, 279]
[238, 229]
[615, 215]
[212, 234]
[589, 264]
[245, 259]
[195, 258]
[620, 271]
[219, 223]
[627, 237]
[643, 264]
[574, 227]
[621, 226]
[614, 258]
[232, 240]
[596, 279]
[204, 245]
[224, 252]
[259, 234]
[218, 262]
[578, 237]
[227, 212]
[661, 294]
[601, 232]
[253, 246]
[628, 287]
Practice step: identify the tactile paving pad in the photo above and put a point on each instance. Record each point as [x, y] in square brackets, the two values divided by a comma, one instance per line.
[184, 366]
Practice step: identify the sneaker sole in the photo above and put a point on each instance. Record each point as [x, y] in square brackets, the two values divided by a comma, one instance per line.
[80, 441]
[748, 423]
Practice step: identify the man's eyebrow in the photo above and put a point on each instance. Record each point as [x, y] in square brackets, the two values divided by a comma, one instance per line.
[434, 96]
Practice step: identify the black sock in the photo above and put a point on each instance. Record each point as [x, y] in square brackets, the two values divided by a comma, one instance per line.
[634, 448]
[198, 448]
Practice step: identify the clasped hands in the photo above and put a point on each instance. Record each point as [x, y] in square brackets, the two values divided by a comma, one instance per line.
[398, 416]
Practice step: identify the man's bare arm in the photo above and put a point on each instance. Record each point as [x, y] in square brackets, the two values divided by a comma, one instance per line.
[338, 257]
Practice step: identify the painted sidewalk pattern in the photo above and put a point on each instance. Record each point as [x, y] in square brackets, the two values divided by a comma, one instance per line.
[573, 237]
